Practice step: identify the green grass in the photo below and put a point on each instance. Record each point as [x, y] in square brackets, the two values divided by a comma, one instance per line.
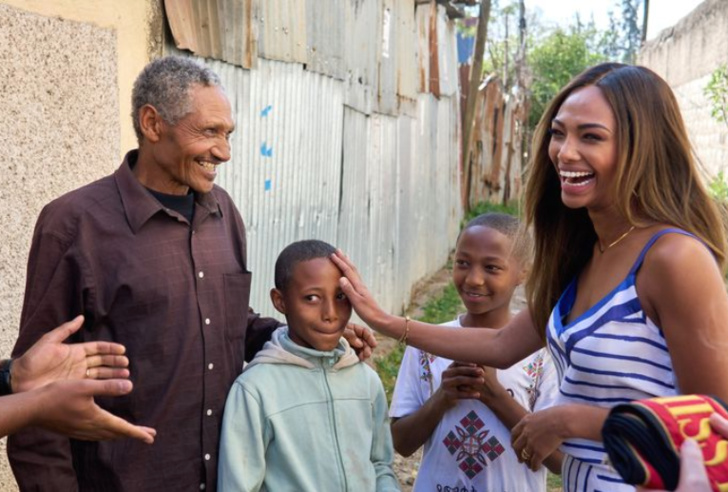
[553, 482]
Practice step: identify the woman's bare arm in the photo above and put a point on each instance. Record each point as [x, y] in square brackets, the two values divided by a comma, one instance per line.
[684, 293]
[496, 348]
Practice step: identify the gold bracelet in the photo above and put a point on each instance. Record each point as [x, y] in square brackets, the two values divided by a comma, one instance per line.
[403, 340]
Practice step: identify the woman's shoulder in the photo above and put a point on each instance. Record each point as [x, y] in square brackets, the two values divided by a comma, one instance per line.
[674, 249]
[677, 269]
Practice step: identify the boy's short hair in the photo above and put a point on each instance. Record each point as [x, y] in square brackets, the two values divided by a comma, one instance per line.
[295, 253]
[509, 226]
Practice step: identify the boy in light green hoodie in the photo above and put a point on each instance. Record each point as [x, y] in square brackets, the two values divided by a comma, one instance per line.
[305, 415]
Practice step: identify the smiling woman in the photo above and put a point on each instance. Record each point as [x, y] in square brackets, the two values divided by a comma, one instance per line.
[619, 215]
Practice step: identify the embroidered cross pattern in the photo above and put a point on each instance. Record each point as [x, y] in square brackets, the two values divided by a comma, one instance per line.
[425, 361]
[470, 445]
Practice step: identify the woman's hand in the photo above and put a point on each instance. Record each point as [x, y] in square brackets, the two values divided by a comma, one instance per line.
[538, 435]
[358, 294]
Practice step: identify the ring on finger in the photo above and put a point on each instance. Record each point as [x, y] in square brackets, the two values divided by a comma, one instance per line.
[525, 455]
[88, 373]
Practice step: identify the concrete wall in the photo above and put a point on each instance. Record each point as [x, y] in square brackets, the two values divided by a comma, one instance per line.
[66, 72]
[685, 55]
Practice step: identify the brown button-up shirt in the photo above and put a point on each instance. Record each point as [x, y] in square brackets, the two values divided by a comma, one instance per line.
[176, 295]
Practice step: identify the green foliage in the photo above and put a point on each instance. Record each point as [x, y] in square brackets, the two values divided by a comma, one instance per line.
[631, 31]
[556, 60]
[511, 208]
[717, 93]
[719, 188]
[557, 57]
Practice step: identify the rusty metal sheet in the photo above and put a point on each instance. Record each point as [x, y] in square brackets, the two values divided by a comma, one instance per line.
[406, 57]
[387, 58]
[325, 31]
[281, 28]
[361, 19]
[219, 29]
[422, 24]
[447, 54]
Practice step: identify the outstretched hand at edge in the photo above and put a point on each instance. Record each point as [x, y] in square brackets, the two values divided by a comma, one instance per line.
[68, 407]
[50, 359]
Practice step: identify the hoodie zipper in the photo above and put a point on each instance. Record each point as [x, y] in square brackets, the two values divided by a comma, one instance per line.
[339, 460]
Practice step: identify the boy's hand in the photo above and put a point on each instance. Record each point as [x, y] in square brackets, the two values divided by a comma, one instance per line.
[491, 389]
[361, 340]
[460, 381]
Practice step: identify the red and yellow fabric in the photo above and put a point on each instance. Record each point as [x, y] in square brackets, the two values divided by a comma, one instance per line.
[643, 438]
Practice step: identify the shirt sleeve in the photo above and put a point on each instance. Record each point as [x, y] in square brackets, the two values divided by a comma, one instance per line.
[41, 460]
[382, 454]
[407, 397]
[548, 385]
[243, 443]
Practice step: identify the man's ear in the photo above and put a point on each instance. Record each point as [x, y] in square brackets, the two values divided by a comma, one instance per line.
[277, 297]
[150, 122]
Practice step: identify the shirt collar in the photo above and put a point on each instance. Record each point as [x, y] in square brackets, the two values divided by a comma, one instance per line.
[139, 205]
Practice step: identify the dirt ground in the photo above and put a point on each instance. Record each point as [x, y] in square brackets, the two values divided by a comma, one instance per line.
[406, 468]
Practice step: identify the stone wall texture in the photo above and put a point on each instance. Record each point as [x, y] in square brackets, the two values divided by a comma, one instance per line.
[66, 73]
[685, 55]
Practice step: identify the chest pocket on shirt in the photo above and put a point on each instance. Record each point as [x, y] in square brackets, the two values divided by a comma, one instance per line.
[237, 298]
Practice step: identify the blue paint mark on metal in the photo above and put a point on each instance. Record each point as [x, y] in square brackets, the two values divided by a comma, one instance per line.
[267, 185]
[266, 151]
[265, 111]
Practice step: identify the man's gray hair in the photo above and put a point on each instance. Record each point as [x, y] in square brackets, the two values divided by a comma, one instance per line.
[165, 84]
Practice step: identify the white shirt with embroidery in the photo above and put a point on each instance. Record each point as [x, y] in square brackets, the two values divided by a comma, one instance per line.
[470, 449]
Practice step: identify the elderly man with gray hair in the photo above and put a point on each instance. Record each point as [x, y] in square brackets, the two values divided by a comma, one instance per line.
[154, 257]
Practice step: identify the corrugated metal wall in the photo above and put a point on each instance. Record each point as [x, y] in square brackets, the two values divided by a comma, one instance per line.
[496, 148]
[335, 142]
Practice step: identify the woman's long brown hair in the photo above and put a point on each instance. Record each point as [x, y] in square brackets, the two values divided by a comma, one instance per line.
[657, 180]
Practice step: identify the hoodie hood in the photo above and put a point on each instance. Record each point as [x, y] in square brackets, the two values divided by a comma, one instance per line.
[282, 350]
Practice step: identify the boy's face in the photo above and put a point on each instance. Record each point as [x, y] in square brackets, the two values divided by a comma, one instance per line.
[316, 309]
[486, 272]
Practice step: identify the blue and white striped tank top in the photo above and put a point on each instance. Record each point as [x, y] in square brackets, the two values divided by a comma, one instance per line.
[612, 353]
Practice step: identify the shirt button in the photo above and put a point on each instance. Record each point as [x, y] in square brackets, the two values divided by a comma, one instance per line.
[207, 321]
[209, 412]
[207, 457]
[210, 366]
[202, 486]
[201, 274]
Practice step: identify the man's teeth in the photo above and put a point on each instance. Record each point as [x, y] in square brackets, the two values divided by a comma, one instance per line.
[209, 166]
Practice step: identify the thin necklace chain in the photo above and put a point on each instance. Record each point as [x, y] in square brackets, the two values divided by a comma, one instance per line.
[599, 243]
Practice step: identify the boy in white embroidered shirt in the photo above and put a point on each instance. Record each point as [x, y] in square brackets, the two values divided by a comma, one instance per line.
[463, 413]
